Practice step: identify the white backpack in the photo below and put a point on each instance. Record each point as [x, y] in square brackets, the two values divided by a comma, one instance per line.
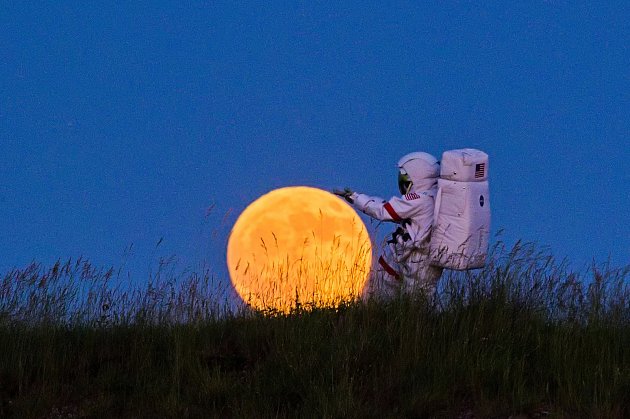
[461, 219]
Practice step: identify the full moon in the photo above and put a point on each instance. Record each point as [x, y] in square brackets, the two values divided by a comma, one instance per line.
[298, 246]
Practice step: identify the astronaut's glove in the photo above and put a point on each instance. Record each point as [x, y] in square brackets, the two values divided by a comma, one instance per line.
[346, 194]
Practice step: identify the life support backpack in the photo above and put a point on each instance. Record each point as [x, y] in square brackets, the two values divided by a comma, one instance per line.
[461, 218]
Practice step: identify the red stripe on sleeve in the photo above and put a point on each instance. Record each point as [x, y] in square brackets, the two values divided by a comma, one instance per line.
[388, 268]
[390, 210]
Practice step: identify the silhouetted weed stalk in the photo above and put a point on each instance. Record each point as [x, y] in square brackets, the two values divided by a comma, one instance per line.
[324, 275]
[74, 293]
[525, 335]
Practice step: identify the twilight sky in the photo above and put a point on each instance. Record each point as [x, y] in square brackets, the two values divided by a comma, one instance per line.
[124, 125]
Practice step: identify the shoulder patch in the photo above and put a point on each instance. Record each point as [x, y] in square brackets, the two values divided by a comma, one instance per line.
[411, 196]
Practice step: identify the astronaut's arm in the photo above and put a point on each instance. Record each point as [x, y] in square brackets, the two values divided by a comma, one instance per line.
[396, 209]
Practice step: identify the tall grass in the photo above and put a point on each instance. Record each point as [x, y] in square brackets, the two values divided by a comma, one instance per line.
[327, 265]
[525, 335]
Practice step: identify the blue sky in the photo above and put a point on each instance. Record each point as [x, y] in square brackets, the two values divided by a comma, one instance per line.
[125, 124]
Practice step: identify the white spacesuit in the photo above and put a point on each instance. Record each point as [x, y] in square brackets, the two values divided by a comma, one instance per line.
[404, 266]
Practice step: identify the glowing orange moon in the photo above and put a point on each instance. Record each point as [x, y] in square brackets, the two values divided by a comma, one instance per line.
[298, 245]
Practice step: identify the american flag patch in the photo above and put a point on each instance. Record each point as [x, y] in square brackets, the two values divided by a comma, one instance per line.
[411, 196]
[480, 170]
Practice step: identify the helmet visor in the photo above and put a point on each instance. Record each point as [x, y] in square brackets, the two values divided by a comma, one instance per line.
[404, 182]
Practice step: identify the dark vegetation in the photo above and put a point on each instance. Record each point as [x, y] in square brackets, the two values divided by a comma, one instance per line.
[524, 336]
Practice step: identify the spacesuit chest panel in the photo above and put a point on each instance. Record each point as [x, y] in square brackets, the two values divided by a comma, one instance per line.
[416, 216]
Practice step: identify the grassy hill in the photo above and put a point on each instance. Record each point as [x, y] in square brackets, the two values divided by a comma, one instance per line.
[524, 336]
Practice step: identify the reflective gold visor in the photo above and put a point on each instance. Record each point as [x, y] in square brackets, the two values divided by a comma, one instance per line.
[404, 183]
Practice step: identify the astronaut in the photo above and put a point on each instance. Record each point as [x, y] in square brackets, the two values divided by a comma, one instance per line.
[404, 266]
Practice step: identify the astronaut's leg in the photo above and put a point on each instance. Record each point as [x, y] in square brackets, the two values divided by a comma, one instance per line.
[385, 283]
[421, 276]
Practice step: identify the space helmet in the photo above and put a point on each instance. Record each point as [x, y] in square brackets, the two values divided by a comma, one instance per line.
[417, 172]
